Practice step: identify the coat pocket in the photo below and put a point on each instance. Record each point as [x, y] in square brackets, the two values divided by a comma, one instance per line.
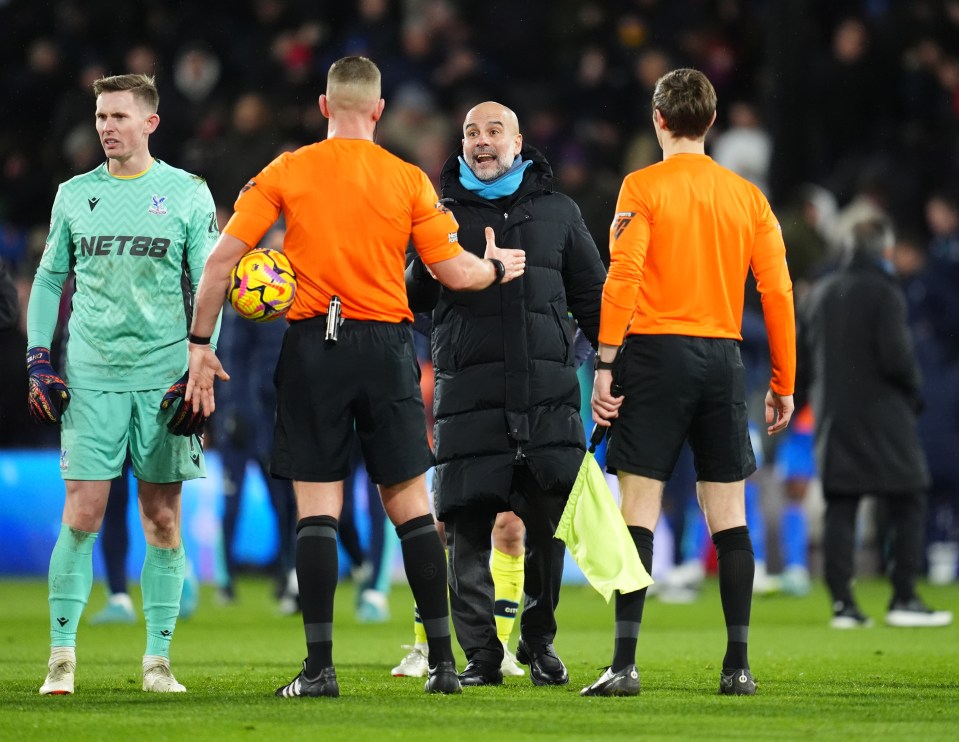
[566, 331]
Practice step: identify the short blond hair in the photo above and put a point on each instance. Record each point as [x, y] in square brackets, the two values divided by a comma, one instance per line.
[143, 88]
[353, 82]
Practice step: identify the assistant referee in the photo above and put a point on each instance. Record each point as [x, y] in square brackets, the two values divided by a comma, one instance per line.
[685, 233]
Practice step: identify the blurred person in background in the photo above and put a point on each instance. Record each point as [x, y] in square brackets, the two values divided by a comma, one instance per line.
[942, 218]
[866, 393]
[745, 147]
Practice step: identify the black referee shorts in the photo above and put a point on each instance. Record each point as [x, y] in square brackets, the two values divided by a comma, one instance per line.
[368, 379]
[677, 387]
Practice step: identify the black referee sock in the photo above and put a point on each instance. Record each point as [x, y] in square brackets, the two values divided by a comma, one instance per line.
[629, 606]
[317, 569]
[737, 567]
[425, 562]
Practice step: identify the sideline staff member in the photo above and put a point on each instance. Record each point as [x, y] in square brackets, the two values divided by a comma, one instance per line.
[685, 232]
[351, 208]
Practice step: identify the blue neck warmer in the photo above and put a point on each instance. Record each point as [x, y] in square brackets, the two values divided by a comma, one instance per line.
[504, 185]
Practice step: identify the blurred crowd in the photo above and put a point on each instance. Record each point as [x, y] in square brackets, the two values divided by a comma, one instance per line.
[838, 109]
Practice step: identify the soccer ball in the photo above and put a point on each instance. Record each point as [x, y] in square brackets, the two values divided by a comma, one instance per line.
[262, 286]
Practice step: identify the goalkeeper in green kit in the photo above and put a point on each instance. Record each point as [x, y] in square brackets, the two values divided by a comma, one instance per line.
[136, 233]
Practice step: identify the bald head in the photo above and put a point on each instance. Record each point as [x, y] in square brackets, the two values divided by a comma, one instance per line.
[491, 140]
[491, 111]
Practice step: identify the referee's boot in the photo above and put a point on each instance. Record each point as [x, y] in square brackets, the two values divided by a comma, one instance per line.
[622, 683]
[324, 684]
[736, 683]
[481, 673]
[545, 667]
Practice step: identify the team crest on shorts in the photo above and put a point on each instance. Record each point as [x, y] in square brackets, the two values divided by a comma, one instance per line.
[194, 451]
[64, 460]
[157, 205]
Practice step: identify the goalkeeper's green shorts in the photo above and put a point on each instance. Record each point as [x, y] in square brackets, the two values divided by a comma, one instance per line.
[98, 428]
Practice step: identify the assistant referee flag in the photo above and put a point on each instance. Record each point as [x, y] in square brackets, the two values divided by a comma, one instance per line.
[596, 534]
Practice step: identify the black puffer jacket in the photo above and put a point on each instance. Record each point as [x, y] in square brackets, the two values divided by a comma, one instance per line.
[506, 391]
[865, 384]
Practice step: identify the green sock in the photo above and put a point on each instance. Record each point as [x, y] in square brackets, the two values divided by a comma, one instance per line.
[70, 580]
[162, 583]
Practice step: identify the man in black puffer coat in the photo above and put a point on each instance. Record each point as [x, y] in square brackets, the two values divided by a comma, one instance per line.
[866, 393]
[508, 431]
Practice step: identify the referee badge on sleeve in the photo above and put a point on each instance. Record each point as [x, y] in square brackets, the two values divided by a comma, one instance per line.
[621, 221]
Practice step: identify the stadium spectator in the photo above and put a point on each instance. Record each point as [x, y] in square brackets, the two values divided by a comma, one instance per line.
[508, 431]
[806, 221]
[942, 218]
[249, 140]
[144, 283]
[745, 147]
[866, 394]
[854, 113]
[348, 359]
[674, 354]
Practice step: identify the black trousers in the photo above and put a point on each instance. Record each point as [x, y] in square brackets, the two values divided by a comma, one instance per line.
[906, 519]
[468, 539]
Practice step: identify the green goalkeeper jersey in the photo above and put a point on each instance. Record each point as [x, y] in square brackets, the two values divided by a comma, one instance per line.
[137, 246]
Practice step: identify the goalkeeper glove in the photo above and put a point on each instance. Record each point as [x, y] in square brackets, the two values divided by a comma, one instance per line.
[184, 421]
[48, 397]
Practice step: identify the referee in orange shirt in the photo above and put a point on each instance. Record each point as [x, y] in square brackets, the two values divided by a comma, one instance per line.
[350, 208]
[685, 233]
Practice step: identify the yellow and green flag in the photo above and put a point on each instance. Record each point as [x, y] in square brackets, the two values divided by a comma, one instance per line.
[595, 533]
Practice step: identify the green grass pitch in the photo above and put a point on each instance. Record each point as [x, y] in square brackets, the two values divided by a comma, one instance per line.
[814, 682]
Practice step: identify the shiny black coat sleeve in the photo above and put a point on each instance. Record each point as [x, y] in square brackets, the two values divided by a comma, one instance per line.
[583, 276]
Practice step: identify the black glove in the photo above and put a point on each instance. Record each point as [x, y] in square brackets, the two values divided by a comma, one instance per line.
[48, 397]
[184, 421]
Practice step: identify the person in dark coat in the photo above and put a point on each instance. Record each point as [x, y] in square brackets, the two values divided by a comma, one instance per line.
[865, 390]
[508, 430]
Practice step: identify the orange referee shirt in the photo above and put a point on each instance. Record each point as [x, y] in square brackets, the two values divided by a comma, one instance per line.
[686, 232]
[350, 209]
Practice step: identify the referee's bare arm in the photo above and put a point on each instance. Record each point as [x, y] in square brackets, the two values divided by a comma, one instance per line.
[466, 272]
[210, 295]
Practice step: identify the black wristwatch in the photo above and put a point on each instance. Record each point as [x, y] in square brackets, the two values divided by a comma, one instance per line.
[600, 365]
[500, 270]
